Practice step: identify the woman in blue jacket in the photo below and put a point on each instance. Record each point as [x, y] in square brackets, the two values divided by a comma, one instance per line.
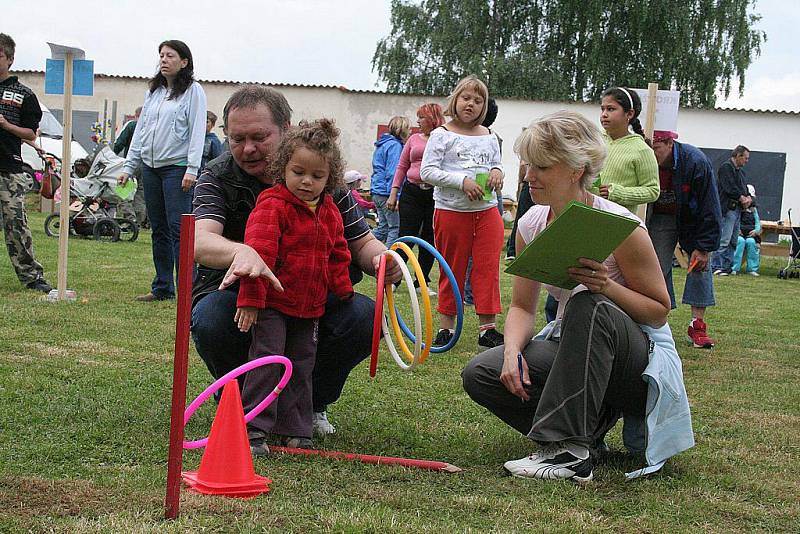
[168, 143]
[384, 163]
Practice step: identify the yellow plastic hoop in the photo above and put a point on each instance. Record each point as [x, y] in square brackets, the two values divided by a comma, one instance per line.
[417, 319]
[426, 301]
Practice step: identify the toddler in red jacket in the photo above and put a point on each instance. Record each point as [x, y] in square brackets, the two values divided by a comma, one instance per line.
[298, 231]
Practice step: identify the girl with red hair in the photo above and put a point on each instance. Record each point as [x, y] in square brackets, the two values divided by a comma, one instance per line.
[416, 199]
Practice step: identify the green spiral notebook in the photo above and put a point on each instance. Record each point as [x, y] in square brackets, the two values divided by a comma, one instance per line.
[578, 232]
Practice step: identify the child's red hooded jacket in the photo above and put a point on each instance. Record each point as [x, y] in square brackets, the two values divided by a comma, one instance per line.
[305, 249]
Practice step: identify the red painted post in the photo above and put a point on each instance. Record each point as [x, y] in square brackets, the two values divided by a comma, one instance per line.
[180, 368]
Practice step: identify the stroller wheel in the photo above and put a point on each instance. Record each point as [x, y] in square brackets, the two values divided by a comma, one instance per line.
[52, 225]
[128, 230]
[106, 230]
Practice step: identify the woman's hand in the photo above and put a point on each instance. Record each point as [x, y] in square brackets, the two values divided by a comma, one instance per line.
[592, 274]
[123, 178]
[510, 376]
[245, 317]
[472, 189]
[392, 202]
[604, 191]
[188, 181]
[495, 181]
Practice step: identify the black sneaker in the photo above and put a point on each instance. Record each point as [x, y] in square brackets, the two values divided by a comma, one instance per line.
[443, 337]
[552, 463]
[258, 443]
[40, 284]
[490, 338]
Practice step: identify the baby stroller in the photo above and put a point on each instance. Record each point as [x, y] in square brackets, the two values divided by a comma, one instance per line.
[792, 269]
[98, 195]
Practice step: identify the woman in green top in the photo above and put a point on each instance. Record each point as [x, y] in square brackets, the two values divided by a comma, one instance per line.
[630, 174]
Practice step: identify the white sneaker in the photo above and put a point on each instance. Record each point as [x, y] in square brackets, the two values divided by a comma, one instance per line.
[753, 273]
[431, 292]
[554, 462]
[320, 424]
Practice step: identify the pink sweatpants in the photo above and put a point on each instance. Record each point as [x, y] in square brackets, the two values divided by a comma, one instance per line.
[460, 235]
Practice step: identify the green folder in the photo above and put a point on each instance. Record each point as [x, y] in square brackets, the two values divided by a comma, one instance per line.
[579, 232]
[127, 191]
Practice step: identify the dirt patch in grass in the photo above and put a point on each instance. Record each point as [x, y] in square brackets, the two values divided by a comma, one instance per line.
[31, 497]
[83, 348]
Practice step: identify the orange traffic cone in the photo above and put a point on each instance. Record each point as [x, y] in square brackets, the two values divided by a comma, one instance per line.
[227, 465]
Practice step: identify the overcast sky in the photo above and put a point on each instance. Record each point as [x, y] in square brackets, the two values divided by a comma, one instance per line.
[317, 42]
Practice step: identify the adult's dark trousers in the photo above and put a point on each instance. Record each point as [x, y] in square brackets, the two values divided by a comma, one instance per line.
[416, 219]
[166, 201]
[296, 338]
[524, 203]
[580, 385]
[345, 339]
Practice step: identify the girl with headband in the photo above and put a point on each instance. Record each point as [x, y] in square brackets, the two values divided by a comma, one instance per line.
[630, 174]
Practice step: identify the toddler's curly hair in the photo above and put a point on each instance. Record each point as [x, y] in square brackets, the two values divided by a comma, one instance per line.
[320, 136]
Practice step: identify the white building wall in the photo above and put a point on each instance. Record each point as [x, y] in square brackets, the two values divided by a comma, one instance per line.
[359, 113]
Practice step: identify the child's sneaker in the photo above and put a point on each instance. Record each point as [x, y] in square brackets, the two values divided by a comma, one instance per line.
[490, 338]
[258, 443]
[443, 337]
[697, 336]
[320, 424]
[553, 462]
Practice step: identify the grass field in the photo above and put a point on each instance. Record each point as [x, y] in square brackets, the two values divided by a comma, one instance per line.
[84, 419]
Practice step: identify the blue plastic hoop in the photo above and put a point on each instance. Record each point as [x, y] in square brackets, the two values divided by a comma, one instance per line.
[457, 294]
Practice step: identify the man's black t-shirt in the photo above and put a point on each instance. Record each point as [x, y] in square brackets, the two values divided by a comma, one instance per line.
[20, 107]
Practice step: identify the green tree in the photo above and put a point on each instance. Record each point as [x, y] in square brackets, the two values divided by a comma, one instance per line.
[570, 49]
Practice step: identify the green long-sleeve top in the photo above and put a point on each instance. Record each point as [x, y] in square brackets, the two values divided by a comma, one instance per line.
[630, 171]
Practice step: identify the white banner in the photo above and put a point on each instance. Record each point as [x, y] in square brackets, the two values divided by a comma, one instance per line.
[667, 103]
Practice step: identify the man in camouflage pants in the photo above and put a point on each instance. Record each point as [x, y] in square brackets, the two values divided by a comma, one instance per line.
[20, 114]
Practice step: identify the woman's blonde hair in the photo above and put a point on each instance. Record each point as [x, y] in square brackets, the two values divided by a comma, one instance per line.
[475, 84]
[400, 127]
[563, 137]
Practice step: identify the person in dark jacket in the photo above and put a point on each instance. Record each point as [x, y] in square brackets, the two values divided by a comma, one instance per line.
[733, 198]
[123, 142]
[212, 147]
[135, 208]
[686, 212]
[20, 114]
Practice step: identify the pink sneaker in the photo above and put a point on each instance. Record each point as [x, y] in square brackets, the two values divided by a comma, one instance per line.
[697, 336]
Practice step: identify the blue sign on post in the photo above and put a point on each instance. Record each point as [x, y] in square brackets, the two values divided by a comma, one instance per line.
[82, 77]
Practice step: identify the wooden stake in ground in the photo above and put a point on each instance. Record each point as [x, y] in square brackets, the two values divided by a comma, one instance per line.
[66, 157]
[649, 126]
[180, 367]
[650, 114]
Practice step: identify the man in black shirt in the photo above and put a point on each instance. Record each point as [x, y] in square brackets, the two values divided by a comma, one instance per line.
[20, 114]
[256, 118]
[733, 197]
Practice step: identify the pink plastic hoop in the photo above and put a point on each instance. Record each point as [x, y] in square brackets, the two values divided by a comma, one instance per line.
[231, 375]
